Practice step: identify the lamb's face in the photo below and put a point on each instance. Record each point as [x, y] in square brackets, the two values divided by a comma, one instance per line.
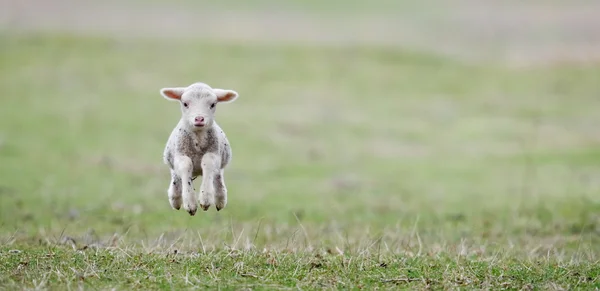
[199, 103]
[198, 107]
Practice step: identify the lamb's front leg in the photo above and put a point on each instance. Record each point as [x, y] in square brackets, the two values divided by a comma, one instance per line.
[211, 164]
[183, 168]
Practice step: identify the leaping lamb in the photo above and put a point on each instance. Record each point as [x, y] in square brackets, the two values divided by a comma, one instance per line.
[196, 147]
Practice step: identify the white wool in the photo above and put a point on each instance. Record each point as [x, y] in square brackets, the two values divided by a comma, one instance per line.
[196, 147]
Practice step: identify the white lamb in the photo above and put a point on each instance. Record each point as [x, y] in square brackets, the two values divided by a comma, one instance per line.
[197, 147]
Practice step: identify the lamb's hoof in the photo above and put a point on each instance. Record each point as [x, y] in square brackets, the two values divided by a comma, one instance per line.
[175, 203]
[190, 209]
[204, 207]
[221, 203]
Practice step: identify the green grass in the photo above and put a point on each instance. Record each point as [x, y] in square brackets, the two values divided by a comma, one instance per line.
[352, 168]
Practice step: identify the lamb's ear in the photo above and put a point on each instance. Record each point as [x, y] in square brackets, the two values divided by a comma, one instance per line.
[225, 95]
[172, 93]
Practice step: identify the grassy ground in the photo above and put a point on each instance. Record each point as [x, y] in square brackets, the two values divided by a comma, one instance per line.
[354, 167]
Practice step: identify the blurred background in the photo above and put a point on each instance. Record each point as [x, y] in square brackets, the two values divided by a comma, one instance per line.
[466, 119]
[513, 31]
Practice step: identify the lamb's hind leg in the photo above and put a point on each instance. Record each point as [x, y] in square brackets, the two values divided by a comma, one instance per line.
[174, 191]
[211, 164]
[220, 191]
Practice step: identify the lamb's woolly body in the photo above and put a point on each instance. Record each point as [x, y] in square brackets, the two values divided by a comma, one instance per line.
[195, 144]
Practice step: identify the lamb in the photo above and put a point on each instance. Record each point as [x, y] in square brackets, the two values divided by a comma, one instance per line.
[196, 147]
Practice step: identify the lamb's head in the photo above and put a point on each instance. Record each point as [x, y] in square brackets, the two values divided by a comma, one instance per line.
[198, 103]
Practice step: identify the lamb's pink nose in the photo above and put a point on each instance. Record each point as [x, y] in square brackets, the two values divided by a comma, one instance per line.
[199, 121]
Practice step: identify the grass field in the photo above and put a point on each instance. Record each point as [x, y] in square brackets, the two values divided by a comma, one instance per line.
[354, 167]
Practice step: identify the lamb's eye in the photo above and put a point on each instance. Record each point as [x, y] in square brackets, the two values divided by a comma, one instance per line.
[185, 104]
[213, 105]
